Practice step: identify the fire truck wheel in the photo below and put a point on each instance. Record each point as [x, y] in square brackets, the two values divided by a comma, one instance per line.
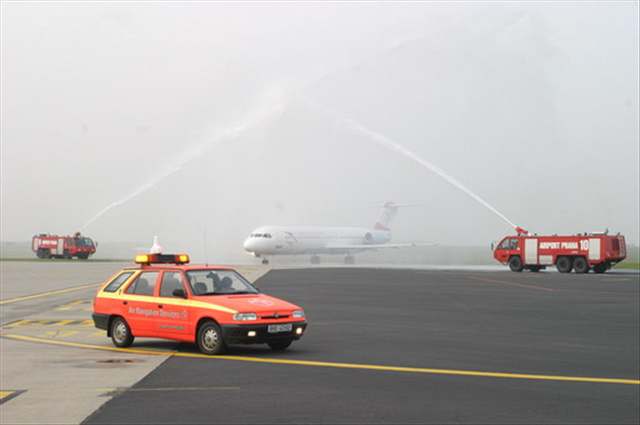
[43, 253]
[564, 264]
[600, 268]
[121, 333]
[515, 264]
[580, 265]
[210, 338]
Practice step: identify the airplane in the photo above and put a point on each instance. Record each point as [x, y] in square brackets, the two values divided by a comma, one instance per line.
[266, 241]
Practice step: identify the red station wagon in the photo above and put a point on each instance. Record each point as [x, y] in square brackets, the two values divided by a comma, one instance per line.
[213, 306]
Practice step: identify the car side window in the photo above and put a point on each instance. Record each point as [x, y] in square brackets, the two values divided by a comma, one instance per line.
[144, 284]
[504, 244]
[513, 244]
[117, 282]
[170, 282]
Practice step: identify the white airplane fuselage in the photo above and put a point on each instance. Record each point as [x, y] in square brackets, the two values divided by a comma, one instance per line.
[292, 240]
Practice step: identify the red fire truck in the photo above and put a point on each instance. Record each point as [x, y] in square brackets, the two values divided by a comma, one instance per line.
[54, 246]
[581, 252]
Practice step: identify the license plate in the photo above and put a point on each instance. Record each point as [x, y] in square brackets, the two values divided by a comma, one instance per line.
[272, 329]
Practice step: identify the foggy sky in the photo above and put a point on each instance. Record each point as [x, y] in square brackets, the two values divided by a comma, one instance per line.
[224, 117]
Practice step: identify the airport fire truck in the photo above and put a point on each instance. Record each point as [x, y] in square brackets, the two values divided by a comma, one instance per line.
[54, 246]
[581, 252]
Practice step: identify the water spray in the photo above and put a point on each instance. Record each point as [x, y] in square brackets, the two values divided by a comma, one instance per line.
[390, 144]
[232, 132]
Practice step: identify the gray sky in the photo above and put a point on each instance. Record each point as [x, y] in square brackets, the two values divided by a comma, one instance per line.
[225, 117]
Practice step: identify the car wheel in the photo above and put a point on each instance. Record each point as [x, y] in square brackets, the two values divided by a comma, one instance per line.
[210, 339]
[280, 345]
[121, 333]
[515, 264]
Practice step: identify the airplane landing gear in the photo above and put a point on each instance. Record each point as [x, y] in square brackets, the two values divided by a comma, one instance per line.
[315, 259]
[349, 259]
[265, 261]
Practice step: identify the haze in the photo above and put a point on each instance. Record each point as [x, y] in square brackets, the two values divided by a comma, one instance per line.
[216, 118]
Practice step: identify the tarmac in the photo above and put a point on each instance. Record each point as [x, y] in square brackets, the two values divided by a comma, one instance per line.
[383, 345]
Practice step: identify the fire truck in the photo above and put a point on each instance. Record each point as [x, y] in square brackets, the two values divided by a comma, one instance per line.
[54, 246]
[581, 252]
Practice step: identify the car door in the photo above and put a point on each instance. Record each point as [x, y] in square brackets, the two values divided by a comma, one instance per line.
[140, 302]
[173, 321]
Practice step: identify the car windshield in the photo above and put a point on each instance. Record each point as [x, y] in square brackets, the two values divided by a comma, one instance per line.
[218, 282]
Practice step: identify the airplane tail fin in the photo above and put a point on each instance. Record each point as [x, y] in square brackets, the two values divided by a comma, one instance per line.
[388, 213]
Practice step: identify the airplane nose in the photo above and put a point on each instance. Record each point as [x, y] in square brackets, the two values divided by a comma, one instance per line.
[248, 245]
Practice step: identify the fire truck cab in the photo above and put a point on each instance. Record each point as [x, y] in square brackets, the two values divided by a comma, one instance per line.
[581, 252]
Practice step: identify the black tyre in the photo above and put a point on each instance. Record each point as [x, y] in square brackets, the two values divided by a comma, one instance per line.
[280, 345]
[210, 339]
[580, 265]
[43, 253]
[564, 264]
[515, 264]
[600, 268]
[121, 333]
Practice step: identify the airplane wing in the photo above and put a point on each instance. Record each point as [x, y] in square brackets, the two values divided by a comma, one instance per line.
[381, 245]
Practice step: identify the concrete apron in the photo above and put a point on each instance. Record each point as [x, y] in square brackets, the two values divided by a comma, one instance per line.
[56, 384]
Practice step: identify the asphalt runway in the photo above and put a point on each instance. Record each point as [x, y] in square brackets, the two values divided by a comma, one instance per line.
[479, 347]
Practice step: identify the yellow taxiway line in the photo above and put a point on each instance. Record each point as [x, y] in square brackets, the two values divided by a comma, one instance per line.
[6, 395]
[382, 368]
[49, 293]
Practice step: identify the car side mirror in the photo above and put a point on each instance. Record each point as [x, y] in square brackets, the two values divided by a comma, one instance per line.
[178, 292]
[492, 246]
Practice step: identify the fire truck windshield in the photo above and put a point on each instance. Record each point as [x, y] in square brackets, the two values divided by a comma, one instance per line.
[509, 243]
[84, 242]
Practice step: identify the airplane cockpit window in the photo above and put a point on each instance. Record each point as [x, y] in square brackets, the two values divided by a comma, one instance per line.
[267, 235]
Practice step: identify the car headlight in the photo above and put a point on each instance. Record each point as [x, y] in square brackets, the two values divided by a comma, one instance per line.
[245, 316]
[298, 314]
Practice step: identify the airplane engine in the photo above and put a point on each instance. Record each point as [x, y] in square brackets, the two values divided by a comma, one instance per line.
[373, 238]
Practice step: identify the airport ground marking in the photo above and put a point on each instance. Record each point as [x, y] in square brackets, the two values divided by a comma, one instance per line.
[504, 282]
[6, 395]
[381, 368]
[73, 305]
[49, 293]
[49, 322]
[172, 389]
